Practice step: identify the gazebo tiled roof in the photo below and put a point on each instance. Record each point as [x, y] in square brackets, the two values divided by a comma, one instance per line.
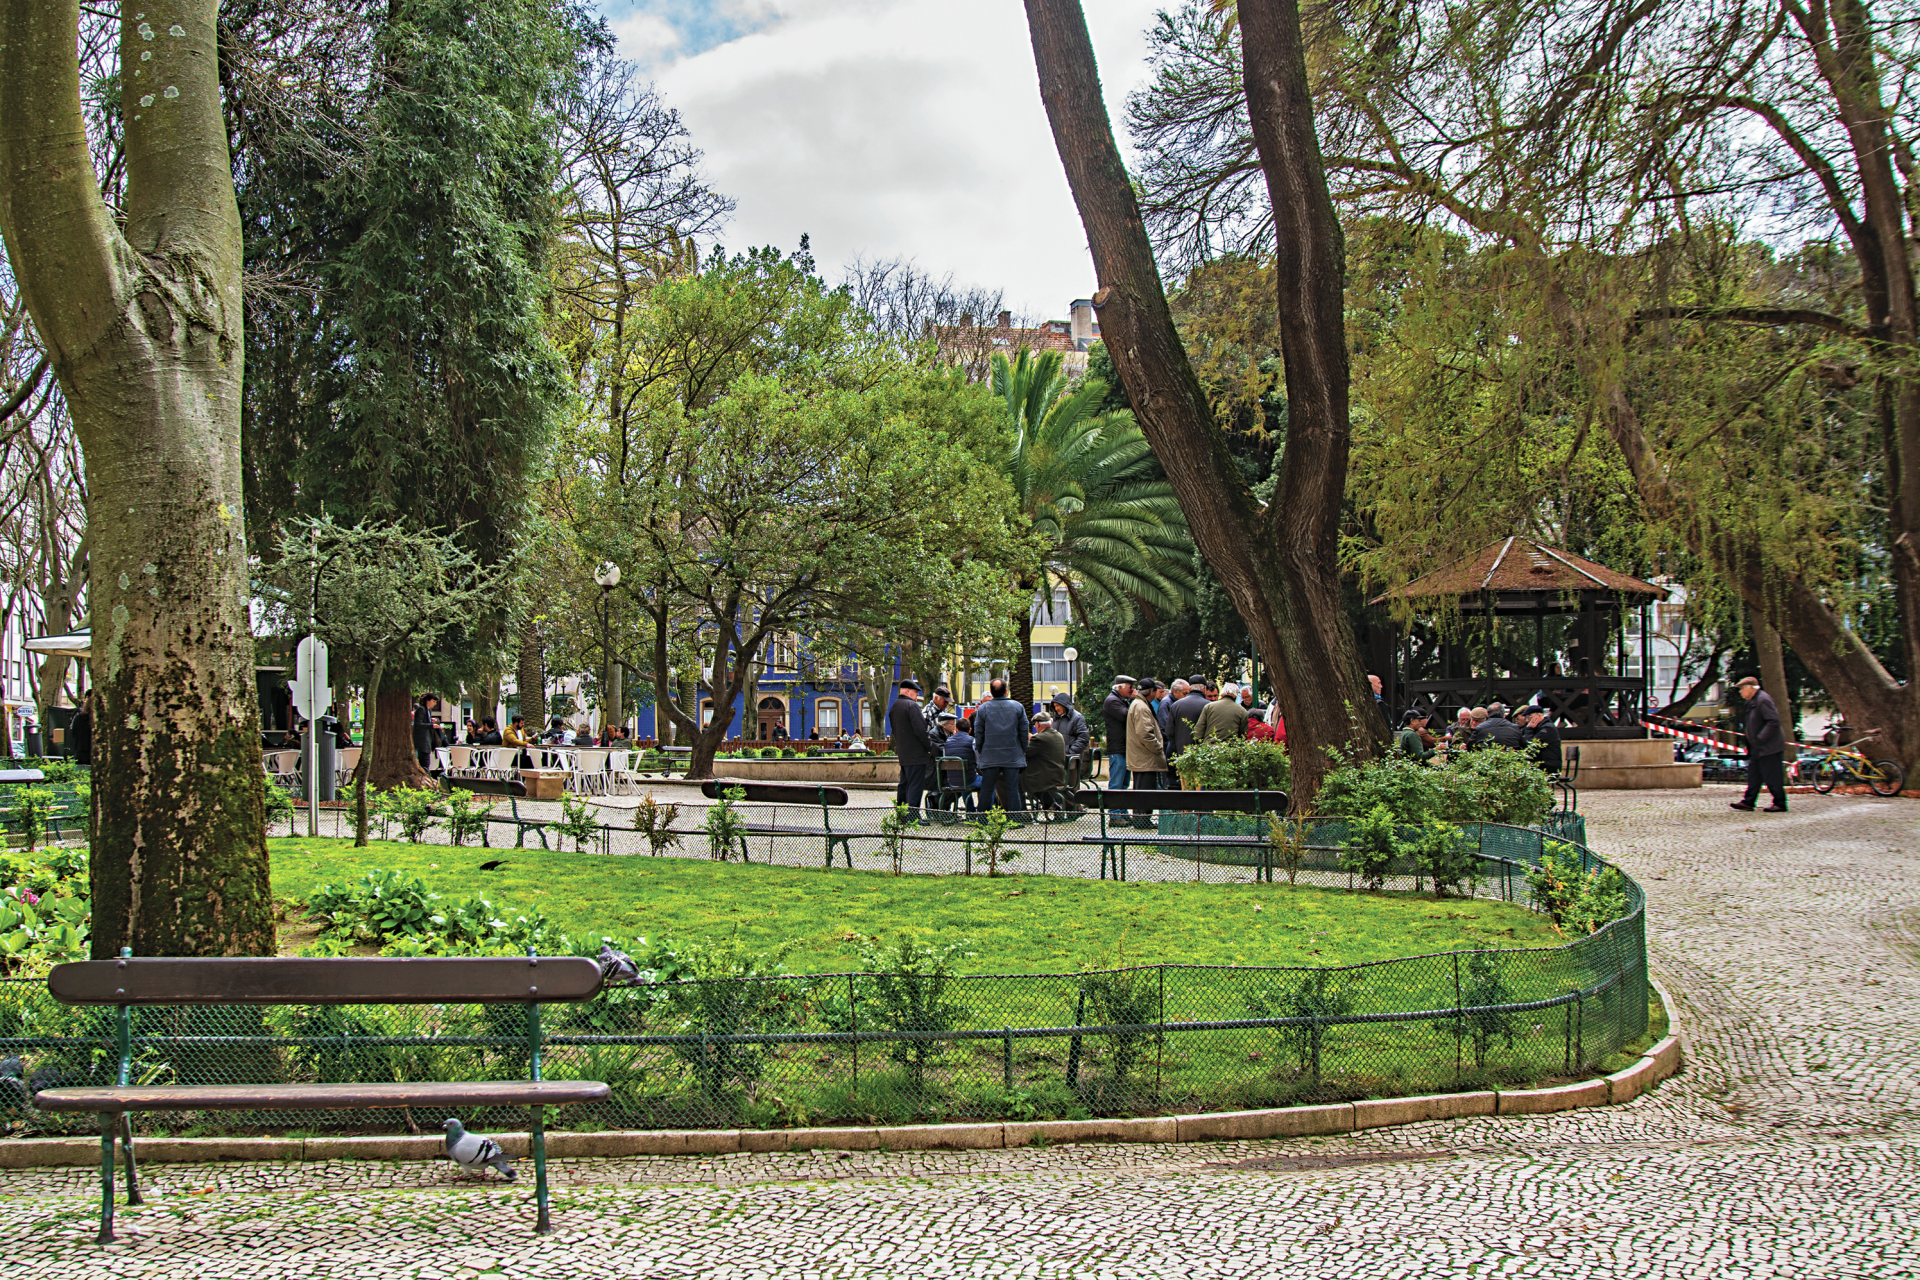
[1523, 565]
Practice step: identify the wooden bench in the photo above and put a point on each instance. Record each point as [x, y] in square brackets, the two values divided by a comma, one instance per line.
[1113, 844]
[824, 800]
[126, 982]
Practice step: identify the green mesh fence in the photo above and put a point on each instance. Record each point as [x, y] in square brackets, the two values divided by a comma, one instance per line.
[866, 1048]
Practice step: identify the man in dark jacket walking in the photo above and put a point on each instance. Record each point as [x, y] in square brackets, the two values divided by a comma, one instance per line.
[1113, 713]
[1766, 749]
[912, 743]
[1000, 740]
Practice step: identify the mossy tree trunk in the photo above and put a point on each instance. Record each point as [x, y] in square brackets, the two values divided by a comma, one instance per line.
[143, 319]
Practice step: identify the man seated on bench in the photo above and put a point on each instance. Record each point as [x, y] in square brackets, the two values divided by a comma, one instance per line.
[1045, 778]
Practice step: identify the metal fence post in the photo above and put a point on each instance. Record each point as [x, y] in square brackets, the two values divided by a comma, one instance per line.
[853, 1012]
[1459, 1017]
[1160, 1036]
[1073, 1046]
[1006, 1058]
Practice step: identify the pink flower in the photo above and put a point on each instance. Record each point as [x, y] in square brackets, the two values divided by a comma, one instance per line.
[29, 897]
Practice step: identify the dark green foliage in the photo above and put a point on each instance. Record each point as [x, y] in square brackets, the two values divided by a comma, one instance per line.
[1316, 996]
[1581, 901]
[414, 383]
[1489, 785]
[1125, 998]
[1483, 984]
[1240, 764]
[907, 990]
[1371, 845]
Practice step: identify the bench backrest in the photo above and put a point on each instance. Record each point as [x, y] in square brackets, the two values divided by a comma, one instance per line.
[297, 980]
[1187, 801]
[776, 792]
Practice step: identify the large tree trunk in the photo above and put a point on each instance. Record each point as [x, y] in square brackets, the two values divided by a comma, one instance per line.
[388, 759]
[532, 678]
[144, 328]
[1020, 675]
[1773, 674]
[1279, 563]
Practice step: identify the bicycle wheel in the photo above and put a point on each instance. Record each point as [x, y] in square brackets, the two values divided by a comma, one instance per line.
[1826, 775]
[1886, 777]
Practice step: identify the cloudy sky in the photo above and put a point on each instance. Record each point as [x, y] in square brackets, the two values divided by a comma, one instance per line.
[889, 128]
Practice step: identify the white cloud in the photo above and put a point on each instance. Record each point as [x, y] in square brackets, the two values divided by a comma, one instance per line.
[890, 128]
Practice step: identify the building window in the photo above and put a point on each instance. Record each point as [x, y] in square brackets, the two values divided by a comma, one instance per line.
[706, 712]
[826, 717]
[1050, 665]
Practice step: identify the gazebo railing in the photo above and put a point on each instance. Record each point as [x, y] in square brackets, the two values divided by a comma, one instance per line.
[1585, 707]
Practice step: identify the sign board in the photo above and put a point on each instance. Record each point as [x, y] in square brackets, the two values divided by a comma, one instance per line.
[312, 691]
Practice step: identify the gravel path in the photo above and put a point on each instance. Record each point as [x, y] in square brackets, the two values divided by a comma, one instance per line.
[1789, 1146]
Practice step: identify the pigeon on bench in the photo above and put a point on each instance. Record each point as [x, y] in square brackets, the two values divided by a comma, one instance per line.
[617, 966]
[475, 1151]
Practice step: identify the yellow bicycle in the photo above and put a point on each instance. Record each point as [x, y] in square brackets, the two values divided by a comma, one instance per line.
[1843, 764]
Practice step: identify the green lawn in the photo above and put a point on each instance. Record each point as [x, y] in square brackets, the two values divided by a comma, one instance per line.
[1016, 923]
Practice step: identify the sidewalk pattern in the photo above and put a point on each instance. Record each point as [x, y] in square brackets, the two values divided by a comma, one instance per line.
[1789, 1145]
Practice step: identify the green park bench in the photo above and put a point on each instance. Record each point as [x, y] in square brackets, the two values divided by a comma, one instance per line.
[804, 797]
[128, 982]
[1115, 842]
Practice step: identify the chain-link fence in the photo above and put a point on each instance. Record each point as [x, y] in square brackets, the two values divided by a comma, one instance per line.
[899, 1047]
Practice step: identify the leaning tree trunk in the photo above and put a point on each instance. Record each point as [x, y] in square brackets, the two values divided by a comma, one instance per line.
[1279, 564]
[142, 317]
[1773, 674]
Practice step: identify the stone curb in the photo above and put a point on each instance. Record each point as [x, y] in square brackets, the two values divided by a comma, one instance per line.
[1659, 1062]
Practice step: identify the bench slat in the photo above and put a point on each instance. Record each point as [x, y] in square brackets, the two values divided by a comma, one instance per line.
[776, 792]
[322, 1097]
[295, 980]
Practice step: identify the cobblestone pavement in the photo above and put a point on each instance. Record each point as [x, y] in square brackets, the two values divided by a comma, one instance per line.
[1789, 1146]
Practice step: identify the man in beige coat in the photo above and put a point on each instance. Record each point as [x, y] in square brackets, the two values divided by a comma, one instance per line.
[1146, 749]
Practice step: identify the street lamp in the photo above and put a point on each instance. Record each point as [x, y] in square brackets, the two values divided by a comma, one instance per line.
[1072, 655]
[608, 576]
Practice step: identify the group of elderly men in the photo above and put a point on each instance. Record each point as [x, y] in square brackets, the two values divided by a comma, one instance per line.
[996, 750]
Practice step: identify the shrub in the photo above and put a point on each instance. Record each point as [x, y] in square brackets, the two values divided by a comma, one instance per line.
[1315, 998]
[32, 806]
[1239, 764]
[466, 814]
[1288, 839]
[654, 821]
[279, 804]
[1493, 784]
[413, 809]
[1370, 846]
[724, 826]
[577, 822]
[1484, 984]
[1441, 852]
[893, 831]
[1125, 998]
[721, 989]
[1408, 789]
[986, 838]
[1576, 900]
[908, 987]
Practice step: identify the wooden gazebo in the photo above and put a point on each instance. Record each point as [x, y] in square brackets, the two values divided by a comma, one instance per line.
[1514, 620]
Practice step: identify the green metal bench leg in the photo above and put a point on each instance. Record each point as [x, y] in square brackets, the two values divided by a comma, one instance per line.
[543, 1227]
[109, 1123]
[126, 1143]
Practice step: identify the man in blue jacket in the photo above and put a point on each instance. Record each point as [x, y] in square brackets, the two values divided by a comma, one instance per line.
[1000, 733]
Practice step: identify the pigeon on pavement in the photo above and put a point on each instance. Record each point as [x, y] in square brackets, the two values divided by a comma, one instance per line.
[475, 1151]
[617, 966]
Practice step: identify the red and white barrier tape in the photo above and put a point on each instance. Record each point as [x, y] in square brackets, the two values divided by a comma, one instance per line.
[1658, 727]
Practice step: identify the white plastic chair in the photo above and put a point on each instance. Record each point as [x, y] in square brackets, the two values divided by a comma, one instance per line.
[459, 760]
[344, 763]
[589, 770]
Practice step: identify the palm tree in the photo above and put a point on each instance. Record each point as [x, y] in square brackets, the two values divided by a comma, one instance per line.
[1088, 485]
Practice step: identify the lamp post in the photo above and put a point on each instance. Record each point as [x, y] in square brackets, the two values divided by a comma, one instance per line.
[608, 576]
[1072, 655]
